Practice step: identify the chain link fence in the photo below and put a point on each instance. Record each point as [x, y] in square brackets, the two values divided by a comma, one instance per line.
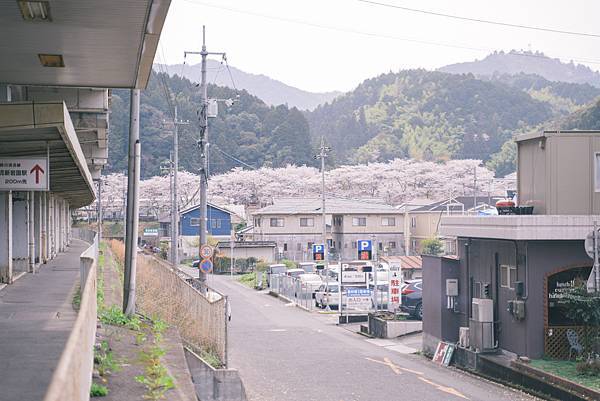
[294, 290]
[167, 293]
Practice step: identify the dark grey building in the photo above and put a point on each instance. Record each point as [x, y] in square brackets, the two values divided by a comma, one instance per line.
[504, 289]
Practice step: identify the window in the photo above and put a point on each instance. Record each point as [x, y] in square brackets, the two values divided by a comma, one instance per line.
[414, 245]
[413, 222]
[345, 245]
[337, 220]
[451, 247]
[307, 222]
[354, 244]
[380, 246]
[392, 244]
[285, 247]
[359, 221]
[597, 172]
[194, 221]
[257, 222]
[388, 221]
[299, 246]
[508, 276]
[276, 222]
[215, 223]
[309, 246]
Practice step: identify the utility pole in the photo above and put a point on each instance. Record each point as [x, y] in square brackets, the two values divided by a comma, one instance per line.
[123, 211]
[133, 205]
[203, 145]
[475, 186]
[99, 212]
[322, 155]
[174, 200]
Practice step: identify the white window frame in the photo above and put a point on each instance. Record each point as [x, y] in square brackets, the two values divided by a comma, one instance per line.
[277, 220]
[597, 172]
[385, 221]
[309, 221]
[194, 221]
[413, 222]
[356, 221]
[506, 275]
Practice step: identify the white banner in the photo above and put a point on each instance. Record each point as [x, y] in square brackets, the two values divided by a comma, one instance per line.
[24, 174]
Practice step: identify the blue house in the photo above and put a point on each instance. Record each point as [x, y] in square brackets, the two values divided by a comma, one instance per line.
[218, 224]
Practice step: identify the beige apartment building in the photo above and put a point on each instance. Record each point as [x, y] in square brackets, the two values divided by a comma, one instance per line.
[296, 224]
[423, 222]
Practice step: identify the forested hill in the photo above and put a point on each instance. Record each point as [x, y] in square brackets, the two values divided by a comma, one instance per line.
[516, 62]
[251, 131]
[587, 118]
[437, 116]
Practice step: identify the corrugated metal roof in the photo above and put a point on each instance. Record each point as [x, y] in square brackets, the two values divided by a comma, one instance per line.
[407, 262]
[458, 204]
[332, 206]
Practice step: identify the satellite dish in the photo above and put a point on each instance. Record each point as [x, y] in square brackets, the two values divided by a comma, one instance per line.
[589, 243]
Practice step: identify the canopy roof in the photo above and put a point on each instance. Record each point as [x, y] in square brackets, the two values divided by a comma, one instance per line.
[106, 44]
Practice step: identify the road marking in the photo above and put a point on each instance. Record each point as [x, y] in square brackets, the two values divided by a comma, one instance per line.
[448, 390]
[396, 368]
[387, 363]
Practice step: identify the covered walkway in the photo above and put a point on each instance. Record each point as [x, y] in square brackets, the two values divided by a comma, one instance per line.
[36, 318]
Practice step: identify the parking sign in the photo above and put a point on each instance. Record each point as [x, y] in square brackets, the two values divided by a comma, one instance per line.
[365, 249]
[318, 251]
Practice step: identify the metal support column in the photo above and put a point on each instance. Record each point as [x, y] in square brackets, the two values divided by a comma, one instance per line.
[31, 230]
[133, 181]
[8, 221]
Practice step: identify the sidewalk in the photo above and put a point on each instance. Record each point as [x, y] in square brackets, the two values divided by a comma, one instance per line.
[36, 317]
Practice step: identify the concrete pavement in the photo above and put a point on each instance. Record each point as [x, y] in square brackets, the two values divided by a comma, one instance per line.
[36, 318]
[286, 354]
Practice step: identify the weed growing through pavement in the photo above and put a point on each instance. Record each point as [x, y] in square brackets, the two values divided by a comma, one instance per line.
[155, 378]
[98, 390]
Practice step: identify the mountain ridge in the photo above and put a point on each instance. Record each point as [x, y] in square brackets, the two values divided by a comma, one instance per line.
[271, 91]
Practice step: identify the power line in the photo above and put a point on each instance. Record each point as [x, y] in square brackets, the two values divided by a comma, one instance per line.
[479, 20]
[384, 36]
[233, 157]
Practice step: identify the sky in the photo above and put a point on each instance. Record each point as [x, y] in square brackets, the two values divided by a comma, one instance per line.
[325, 45]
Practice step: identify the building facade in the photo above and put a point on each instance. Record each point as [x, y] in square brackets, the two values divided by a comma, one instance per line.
[296, 224]
[518, 267]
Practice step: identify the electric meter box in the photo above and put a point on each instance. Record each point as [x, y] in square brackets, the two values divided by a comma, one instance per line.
[452, 287]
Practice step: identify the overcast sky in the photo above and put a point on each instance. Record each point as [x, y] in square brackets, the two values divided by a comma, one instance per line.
[322, 45]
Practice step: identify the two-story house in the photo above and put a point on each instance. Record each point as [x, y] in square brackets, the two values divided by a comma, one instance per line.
[296, 224]
[423, 221]
[514, 271]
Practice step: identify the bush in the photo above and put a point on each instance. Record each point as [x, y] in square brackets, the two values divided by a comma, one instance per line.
[98, 390]
[432, 246]
[589, 367]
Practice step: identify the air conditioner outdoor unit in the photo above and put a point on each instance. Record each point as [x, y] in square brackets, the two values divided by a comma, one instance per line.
[481, 324]
[483, 310]
[463, 337]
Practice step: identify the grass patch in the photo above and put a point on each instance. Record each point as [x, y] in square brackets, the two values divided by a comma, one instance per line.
[115, 317]
[566, 370]
[211, 358]
[248, 279]
[98, 390]
[77, 299]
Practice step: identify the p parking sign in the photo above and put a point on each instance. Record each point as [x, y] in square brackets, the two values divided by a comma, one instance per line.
[318, 251]
[365, 249]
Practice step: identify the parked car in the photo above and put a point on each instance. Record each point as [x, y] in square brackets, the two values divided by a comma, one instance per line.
[294, 272]
[274, 270]
[308, 267]
[412, 298]
[196, 263]
[309, 282]
[328, 294]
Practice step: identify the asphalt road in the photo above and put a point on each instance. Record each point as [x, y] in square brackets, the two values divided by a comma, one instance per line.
[286, 354]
